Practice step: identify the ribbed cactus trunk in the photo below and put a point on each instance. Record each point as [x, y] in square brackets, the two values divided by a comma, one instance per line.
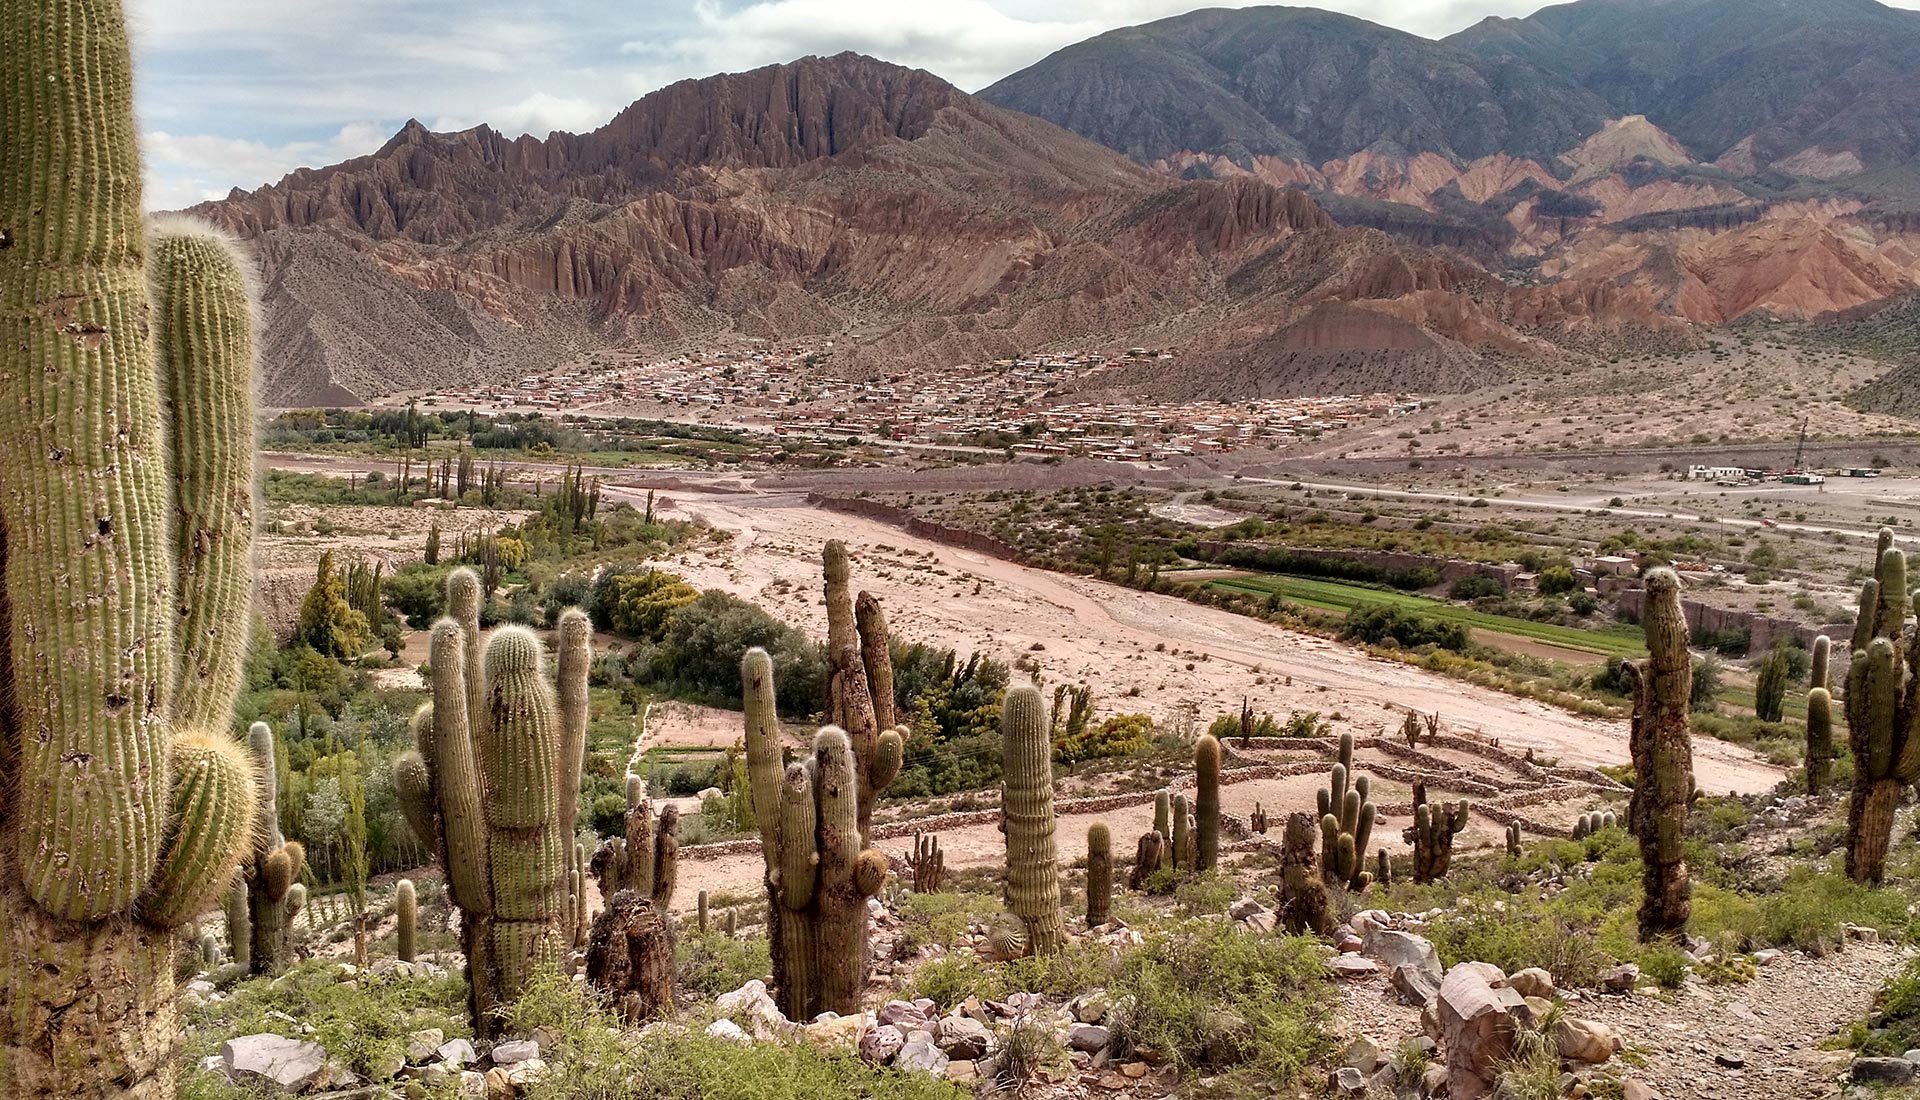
[1819, 719]
[496, 753]
[1662, 746]
[1099, 874]
[126, 373]
[1206, 802]
[1882, 711]
[1033, 877]
[406, 915]
[1303, 893]
[275, 866]
[818, 874]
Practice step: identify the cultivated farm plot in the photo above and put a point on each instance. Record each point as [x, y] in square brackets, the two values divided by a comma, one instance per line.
[1341, 597]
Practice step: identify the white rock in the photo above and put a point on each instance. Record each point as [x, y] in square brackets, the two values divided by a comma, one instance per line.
[289, 1064]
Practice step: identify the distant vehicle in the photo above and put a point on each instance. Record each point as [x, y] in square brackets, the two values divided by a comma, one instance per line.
[1768, 523]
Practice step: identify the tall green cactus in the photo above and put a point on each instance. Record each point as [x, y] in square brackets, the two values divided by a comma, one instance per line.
[1346, 822]
[126, 361]
[267, 881]
[1099, 873]
[496, 751]
[1661, 741]
[1033, 879]
[1206, 802]
[818, 873]
[573, 642]
[406, 913]
[1819, 720]
[1882, 711]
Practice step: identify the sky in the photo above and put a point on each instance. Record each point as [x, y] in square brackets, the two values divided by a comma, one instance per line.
[234, 94]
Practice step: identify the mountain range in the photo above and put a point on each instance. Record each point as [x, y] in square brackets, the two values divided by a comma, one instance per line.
[1298, 201]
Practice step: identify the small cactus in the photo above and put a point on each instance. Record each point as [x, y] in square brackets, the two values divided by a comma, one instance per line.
[1183, 847]
[1206, 803]
[700, 918]
[405, 916]
[1513, 839]
[1033, 882]
[929, 864]
[1432, 833]
[1099, 873]
[1257, 821]
[1820, 752]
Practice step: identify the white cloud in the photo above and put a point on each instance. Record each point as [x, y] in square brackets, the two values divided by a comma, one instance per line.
[183, 169]
[538, 114]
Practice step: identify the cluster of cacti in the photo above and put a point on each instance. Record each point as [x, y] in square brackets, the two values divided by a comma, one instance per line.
[485, 781]
[1346, 823]
[273, 869]
[126, 372]
[1257, 821]
[1026, 816]
[1410, 729]
[814, 815]
[1592, 822]
[1882, 707]
[1819, 719]
[928, 862]
[1099, 873]
[1206, 802]
[1183, 849]
[1432, 833]
[1303, 893]
[647, 858]
[1661, 742]
[1513, 839]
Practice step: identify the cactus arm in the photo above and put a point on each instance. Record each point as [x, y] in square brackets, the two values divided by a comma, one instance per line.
[203, 297]
[456, 774]
[877, 658]
[211, 827]
[574, 659]
[850, 697]
[764, 770]
[406, 915]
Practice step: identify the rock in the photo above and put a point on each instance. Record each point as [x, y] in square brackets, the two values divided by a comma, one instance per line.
[1635, 1089]
[1362, 1054]
[1135, 1070]
[1768, 956]
[515, 1050]
[1532, 982]
[1349, 944]
[290, 1065]
[1346, 1081]
[1730, 1061]
[422, 1044]
[1433, 1082]
[751, 1006]
[1863, 934]
[880, 1044]
[1585, 1040]
[1403, 949]
[1912, 1056]
[1415, 986]
[1352, 966]
[387, 1066]
[1366, 920]
[728, 1030]
[962, 1037]
[473, 1083]
[1091, 1038]
[433, 1074]
[1479, 1016]
[1092, 1007]
[922, 1056]
[1620, 979]
[499, 1085]
[1263, 923]
[962, 1071]
[1539, 1006]
[1228, 1039]
[836, 1032]
[457, 1052]
[904, 1015]
[1883, 1071]
[1246, 907]
[525, 1073]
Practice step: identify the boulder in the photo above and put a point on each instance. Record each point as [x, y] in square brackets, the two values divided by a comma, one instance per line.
[1883, 1071]
[1532, 982]
[1347, 1081]
[421, 1044]
[903, 1015]
[515, 1050]
[1415, 986]
[1479, 1016]
[1092, 1007]
[962, 1037]
[290, 1065]
[1352, 966]
[753, 1008]
[1403, 949]
[833, 1032]
[1362, 1054]
[726, 1029]
[920, 1054]
[1246, 907]
[457, 1053]
[1620, 979]
[880, 1044]
[1585, 1040]
[1091, 1038]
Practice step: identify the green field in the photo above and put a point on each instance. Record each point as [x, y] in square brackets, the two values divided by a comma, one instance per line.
[1341, 597]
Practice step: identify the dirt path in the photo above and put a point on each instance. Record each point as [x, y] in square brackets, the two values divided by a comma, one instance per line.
[1140, 651]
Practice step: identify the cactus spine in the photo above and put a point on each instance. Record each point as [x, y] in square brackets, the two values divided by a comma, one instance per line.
[1099, 873]
[1882, 711]
[496, 754]
[126, 369]
[1819, 719]
[1033, 881]
[1206, 808]
[1346, 823]
[406, 909]
[1662, 746]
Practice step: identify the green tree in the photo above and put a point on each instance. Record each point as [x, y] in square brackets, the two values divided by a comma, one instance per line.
[644, 604]
[328, 620]
[1555, 580]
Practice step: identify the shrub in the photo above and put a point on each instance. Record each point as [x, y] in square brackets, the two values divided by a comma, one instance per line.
[711, 963]
[1477, 586]
[644, 604]
[1119, 735]
[1556, 580]
[1382, 625]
